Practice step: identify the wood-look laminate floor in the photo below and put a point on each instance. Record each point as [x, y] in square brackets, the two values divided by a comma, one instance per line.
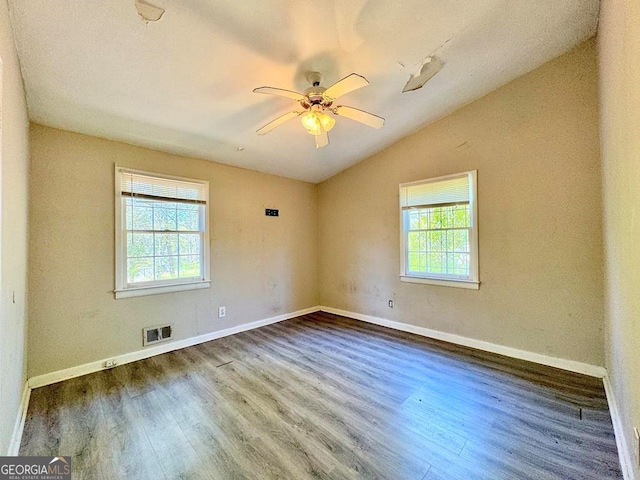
[327, 397]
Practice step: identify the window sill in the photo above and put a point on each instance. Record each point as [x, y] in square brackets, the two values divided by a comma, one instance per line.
[468, 284]
[156, 289]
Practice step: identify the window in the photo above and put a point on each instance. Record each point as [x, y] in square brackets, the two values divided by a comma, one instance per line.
[439, 234]
[162, 241]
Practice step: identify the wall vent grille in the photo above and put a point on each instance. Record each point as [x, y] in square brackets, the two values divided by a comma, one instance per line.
[152, 335]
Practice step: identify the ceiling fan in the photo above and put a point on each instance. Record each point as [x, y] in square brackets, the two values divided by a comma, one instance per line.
[316, 104]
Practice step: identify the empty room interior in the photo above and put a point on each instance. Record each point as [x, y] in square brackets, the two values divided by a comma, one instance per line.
[370, 239]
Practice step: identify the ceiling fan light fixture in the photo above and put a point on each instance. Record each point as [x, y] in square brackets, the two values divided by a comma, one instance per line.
[315, 122]
[327, 121]
[311, 122]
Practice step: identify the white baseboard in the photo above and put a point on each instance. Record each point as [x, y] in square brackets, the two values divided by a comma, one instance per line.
[571, 365]
[18, 428]
[67, 373]
[624, 452]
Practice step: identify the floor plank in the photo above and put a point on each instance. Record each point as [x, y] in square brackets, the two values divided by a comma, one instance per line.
[327, 397]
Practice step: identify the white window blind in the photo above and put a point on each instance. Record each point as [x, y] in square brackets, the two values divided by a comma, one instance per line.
[143, 186]
[443, 192]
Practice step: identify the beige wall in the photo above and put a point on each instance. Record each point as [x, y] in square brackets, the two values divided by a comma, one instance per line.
[14, 172]
[260, 266]
[619, 56]
[535, 145]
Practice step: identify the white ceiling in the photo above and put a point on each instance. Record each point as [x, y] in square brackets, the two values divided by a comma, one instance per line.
[184, 84]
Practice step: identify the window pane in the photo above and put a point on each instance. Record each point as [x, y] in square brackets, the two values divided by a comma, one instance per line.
[460, 240]
[461, 216]
[189, 244]
[128, 212]
[436, 219]
[414, 262]
[416, 241]
[450, 216]
[414, 220]
[139, 244]
[141, 217]
[164, 216]
[422, 241]
[188, 220]
[424, 219]
[139, 270]
[166, 268]
[189, 266]
[435, 241]
[418, 219]
[166, 244]
[447, 244]
[459, 264]
[436, 263]
[450, 263]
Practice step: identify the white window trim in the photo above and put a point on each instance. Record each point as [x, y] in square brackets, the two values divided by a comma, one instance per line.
[468, 284]
[471, 283]
[156, 289]
[121, 288]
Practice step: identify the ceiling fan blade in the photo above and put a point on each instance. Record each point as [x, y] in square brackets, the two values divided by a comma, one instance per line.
[278, 121]
[347, 84]
[281, 92]
[359, 116]
[322, 140]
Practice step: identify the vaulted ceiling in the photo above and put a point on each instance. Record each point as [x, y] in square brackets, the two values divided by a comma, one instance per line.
[184, 83]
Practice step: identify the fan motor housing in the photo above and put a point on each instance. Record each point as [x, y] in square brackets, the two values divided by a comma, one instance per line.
[315, 96]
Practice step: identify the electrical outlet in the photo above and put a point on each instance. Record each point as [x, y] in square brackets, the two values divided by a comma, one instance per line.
[390, 303]
[635, 430]
[110, 363]
[222, 312]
